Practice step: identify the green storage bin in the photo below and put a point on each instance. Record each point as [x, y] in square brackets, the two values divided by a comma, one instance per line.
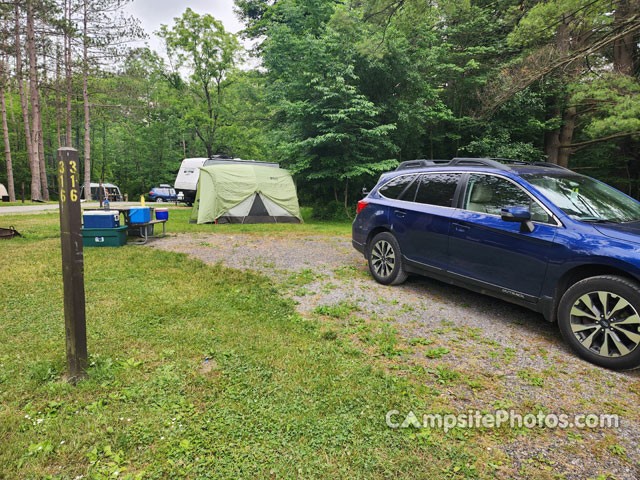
[104, 237]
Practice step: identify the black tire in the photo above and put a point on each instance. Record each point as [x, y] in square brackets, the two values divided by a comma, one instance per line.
[385, 260]
[598, 318]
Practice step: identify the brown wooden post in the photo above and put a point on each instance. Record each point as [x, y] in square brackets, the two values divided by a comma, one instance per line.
[72, 263]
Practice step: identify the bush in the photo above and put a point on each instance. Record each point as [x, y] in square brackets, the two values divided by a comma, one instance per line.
[330, 211]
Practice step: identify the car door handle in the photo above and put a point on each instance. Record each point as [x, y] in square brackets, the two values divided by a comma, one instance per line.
[400, 213]
[460, 227]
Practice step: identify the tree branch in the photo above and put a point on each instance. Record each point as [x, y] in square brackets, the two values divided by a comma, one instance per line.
[582, 145]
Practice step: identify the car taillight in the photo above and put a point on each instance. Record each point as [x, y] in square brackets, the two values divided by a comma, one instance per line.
[150, 192]
[362, 204]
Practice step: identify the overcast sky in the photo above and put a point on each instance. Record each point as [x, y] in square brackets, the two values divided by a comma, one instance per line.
[153, 13]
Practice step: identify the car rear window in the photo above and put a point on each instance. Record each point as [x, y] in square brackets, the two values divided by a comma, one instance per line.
[396, 186]
[437, 188]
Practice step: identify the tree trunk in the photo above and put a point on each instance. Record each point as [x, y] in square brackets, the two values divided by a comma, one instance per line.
[58, 113]
[7, 146]
[85, 100]
[5, 129]
[556, 141]
[36, 132]
[67, 69]
[34, 164]
[552, 138]
[346, 199]
[41, 156]
[623, 47]
[566, 135]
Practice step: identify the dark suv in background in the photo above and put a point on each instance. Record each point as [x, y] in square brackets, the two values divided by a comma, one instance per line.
[163, 193]
[535, 234]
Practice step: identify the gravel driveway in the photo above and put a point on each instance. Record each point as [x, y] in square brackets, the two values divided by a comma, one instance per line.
[501, 355]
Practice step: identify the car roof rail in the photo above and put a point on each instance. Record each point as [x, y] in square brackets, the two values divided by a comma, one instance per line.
[420, 163]
[549, 165]
[498, 163]
[478, 162]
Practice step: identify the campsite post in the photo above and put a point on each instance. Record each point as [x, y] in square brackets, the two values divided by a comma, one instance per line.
[72, 263]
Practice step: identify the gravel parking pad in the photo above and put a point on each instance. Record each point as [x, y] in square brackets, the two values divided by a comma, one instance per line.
[482, 353]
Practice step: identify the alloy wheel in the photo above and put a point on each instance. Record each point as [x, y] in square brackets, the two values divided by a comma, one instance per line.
[605, 324]
[383, 258]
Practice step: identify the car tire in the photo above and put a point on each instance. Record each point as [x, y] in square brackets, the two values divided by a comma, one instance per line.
[598, 317]
[159, 200]
[385, 260]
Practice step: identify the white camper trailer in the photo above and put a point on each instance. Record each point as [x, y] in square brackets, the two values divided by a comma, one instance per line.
[109, 192]
[189, 173]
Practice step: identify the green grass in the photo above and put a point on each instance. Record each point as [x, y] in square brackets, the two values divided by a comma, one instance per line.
[280, 397]
[47, 225]
[179, 222]
[26, 202]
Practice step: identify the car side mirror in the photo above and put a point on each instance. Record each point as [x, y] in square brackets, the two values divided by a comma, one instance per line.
[520, 215]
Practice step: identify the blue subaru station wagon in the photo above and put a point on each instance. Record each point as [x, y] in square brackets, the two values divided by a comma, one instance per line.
[535, 234]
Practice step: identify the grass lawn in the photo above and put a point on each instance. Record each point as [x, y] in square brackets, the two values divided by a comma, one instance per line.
[26, 202]
[278, 397]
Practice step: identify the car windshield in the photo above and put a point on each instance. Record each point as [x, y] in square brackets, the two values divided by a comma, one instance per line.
[586, 199]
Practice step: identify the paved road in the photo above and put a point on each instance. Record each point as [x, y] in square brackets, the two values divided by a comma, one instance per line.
[49, 207]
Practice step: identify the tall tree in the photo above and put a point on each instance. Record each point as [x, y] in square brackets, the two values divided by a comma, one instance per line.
[68, 72]
[625, 48]
[85, 99]
[104, 32]
[34, 161]
[36, 114]
[562, 41]
[201, 44]
[3, 108]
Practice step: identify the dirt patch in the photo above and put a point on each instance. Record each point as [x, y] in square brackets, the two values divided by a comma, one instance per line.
[481, 353]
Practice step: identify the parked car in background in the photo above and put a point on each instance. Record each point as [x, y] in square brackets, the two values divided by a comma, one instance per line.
[163, 193]
[109, 192]
[535, 234]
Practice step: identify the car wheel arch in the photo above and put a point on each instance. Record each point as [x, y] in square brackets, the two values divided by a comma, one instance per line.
[375, 232]
[581, 272]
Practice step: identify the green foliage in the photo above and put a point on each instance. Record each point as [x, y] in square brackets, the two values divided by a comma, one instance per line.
[200, 44]
[329, 210]
[615, 102]
[328, 132]
[542, 21]
[436, 352]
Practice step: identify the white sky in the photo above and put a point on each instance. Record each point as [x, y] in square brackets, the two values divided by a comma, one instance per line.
[153, 13]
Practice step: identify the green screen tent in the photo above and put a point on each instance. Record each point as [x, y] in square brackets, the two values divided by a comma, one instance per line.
[229, 193]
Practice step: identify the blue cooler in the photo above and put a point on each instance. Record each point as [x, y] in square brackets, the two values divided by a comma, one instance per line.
[101, 219]
[140, 215]
[162, 214]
